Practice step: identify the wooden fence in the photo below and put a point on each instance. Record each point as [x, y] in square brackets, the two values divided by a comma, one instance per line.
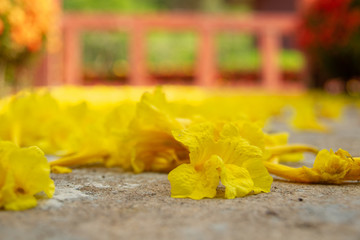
[269, 28]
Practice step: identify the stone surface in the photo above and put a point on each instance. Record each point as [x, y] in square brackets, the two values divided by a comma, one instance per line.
[99, 203]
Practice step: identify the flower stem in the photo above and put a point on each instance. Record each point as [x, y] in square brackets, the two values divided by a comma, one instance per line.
[285, 149]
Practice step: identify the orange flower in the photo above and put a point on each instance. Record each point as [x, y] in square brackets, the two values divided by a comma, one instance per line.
[28, 36]
[4, 6]
[30, 22]
[1, 26]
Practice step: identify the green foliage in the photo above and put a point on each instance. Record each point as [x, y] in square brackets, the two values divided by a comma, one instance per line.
[291, 60]
[105, 53]
[171, 51]
[137, 6]
[237, 52]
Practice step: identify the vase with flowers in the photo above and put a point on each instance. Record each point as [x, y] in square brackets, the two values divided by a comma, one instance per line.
[26, 28]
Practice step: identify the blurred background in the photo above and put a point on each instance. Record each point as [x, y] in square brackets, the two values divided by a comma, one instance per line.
[275, 44]
[171, 55]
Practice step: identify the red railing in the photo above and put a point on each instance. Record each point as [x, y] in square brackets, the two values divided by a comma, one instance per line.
[268, 28]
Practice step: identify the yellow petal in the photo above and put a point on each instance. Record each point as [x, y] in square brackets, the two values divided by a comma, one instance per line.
[305, 118]
[259, 175]
[153, 111]
[32, 171]
[81, 158]
[252, 133]
[188, 181]
[203, 142]
[237, 181]
[234, 149]
[198, 139]
[149, 143]
[332, 167]
[275, 139]
[155, 151]
[354, 173]
[21, 203]
[25, 172]
[13, 196]
[60, 170]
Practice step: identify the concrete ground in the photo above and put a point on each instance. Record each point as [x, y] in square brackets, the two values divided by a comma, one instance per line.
[99, 203]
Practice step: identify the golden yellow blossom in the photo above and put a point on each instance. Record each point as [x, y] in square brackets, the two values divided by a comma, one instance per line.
[329, 167]
[140, 141]
[149, 139]
[23, 174]
[305, 117]
[218, 155]
[17, 126]
[331, 107]
[95, 144]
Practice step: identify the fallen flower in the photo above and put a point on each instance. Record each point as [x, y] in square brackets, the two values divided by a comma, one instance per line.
[218, 155]
[148, 144]
[305, 117]
[24, 172]
[329, 167]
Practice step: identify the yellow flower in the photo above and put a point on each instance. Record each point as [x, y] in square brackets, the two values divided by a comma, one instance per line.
[140, 141]
[331, 107]
[329, 167]
[39, 130]
[23, 174]
[150, 144]
[82, 146]
[305, 117]
[218, 155]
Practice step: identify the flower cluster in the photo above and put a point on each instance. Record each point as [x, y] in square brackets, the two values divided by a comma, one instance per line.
[205, 140]
[24, 25]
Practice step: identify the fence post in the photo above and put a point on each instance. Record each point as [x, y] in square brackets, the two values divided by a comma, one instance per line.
[206, 63]
[137, 56]
[49, 71]
[72, 56]
[270, 52]
[54, 75]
